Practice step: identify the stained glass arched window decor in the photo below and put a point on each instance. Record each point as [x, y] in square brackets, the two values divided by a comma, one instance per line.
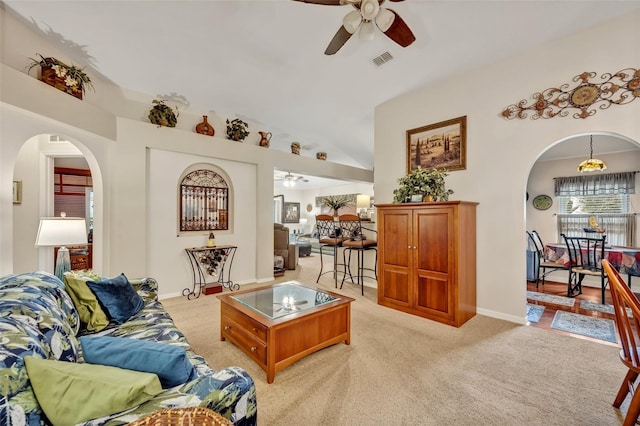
[204, 202]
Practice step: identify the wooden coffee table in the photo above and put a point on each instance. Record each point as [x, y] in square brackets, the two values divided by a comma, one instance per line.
[278, 325]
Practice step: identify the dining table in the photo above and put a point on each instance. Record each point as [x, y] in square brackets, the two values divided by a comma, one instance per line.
[626, 260]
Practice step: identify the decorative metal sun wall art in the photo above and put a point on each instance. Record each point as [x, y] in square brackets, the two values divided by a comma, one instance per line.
[620, 88]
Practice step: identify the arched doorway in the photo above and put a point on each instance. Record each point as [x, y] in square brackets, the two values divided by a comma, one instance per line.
[561, 160]
[34, 168]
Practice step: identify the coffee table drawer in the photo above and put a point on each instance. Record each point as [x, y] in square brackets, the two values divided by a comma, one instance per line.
[248, 324]
[248, 343]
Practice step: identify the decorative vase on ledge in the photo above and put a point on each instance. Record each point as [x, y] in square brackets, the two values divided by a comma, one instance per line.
[205, 128]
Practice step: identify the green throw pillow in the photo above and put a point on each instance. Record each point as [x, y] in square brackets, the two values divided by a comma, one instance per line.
[71, 393]
[86, 301]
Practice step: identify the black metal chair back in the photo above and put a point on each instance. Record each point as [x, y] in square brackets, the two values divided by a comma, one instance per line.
[585, 258]
[354, 238]
[329, 237]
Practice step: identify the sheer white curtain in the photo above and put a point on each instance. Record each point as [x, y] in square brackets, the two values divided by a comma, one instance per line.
[602, 196]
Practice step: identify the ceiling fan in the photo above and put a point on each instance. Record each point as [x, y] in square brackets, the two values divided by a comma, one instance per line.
[290, 180]
[367, 12]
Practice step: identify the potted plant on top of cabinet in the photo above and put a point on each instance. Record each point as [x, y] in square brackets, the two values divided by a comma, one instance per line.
[428, 182]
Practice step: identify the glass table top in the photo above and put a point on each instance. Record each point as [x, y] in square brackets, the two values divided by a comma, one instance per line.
[284, 299]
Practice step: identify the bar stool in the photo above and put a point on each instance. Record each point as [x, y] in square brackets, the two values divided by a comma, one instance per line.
[329, 236]
[353, 238]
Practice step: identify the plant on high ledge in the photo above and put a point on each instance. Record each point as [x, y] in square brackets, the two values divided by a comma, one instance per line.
[237, 130]
[69, 79]
[163, 115]
[425, 182]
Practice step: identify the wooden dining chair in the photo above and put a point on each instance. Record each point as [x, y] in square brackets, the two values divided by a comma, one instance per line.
[626, 307]
[585, 259]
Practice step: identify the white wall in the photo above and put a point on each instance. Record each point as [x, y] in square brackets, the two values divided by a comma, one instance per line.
[500, 152]
[168, 261]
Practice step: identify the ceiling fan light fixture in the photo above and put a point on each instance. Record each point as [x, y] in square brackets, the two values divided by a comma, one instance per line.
[385, 19]
[366, 31]
[592, 164]
[352, 21]
[369, 9]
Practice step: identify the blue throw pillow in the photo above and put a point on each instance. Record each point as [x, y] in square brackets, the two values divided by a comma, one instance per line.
[169, 362]
[118, 297]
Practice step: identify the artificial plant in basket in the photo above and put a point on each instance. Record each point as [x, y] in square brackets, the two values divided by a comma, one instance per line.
[70, 79]
[427, 182]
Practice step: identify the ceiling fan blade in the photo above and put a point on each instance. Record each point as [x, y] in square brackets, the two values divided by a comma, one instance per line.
[323, 2]
[338, 41]
[394, 27]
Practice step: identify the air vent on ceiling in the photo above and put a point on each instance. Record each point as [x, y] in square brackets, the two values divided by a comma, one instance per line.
[382, 59]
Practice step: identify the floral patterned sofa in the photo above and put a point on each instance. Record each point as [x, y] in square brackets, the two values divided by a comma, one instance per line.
[38, 319]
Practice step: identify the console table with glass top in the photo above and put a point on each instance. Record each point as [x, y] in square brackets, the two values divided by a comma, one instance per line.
[281, 324]
[213, 261]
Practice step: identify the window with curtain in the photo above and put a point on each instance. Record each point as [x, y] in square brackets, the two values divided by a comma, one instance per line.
[204, 202]
[602, 196]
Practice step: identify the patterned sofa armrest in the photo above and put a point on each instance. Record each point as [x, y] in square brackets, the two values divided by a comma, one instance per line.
[147, 288]
[230, 392]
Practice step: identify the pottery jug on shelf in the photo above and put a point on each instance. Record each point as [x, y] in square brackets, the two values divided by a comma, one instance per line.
[265, 138]
[205, 128]
[295, 148]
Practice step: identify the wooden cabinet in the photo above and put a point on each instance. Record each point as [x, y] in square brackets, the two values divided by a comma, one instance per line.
[427, 259]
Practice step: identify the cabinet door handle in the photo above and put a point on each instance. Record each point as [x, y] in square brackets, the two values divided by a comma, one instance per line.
[226, 328]
[253, 349]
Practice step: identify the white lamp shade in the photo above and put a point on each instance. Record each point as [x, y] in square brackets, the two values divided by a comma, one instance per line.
[363, 201]
[59, 231]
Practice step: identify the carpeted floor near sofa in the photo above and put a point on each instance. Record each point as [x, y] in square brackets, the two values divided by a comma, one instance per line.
[405, 370]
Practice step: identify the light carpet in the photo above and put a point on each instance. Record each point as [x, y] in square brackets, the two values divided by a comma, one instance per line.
[551, 298]
[597, 328]
[401, 369]
[534, 312]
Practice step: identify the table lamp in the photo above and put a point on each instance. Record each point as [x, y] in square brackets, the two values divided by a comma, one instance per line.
[363, 202]
[61, 231]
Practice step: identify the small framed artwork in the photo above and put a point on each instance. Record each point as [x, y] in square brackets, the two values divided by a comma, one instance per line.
[417, 198]
[441, 145]
[17, 192]
[291, 212]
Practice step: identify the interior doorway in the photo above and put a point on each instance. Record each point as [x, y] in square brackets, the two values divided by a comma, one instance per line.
[35, 168]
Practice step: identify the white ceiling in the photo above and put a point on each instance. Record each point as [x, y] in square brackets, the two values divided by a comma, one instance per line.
[263, 60]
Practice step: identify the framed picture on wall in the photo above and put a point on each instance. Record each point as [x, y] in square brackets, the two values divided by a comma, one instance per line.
[17, 192]
[291, 212]
[441, 145]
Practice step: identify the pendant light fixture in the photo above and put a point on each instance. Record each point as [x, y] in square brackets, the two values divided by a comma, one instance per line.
[591, 164]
